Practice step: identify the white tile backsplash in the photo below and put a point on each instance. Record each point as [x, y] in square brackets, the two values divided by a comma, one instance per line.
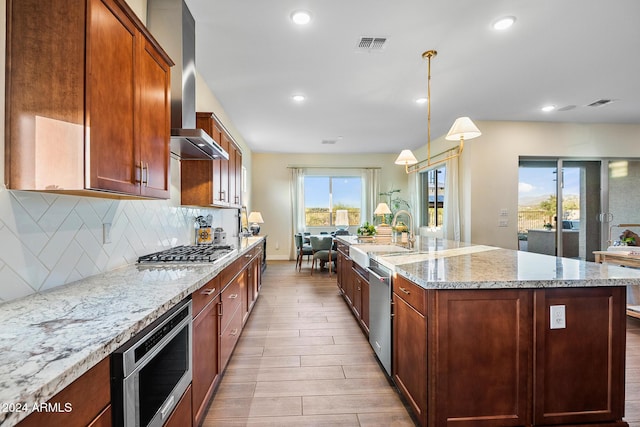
[47, 240]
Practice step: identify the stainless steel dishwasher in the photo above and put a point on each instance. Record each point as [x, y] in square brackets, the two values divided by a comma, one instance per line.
[380, 313]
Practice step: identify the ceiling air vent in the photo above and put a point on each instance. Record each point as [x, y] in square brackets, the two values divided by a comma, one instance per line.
[567, 108]
[369, 44]
[600, 103]
[329, 141]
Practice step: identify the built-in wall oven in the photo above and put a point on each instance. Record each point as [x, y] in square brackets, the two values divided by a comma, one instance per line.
[152, 370]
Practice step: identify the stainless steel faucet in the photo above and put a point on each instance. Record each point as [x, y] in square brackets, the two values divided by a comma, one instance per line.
[412, 238]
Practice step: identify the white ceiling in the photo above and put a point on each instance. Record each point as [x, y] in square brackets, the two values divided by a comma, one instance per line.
[562, 52]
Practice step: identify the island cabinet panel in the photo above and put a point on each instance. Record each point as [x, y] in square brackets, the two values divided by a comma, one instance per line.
[87, 100]
[81, 403]
[579, 369]
[482, 353]
[343, 258]
[409, 327]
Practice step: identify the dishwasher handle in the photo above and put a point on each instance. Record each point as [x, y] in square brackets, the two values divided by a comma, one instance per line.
[379, 275]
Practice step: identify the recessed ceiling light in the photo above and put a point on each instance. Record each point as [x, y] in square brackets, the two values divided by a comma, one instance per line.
[504, 23]
[301, 17]
[298, 98]
[421, 101]
[548, 108]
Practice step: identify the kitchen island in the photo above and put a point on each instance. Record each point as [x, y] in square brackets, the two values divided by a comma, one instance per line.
[484, 336]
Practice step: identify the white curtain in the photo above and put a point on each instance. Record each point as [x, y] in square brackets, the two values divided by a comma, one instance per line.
[297, 205]
[452, 201]
[370, 191]
[414, 200]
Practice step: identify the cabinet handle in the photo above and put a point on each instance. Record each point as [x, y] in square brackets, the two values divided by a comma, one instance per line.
[234, 332]
[233, 296]
[146, 182]
[208, 291]
[220, 309]
[405, 291]
[248, 256]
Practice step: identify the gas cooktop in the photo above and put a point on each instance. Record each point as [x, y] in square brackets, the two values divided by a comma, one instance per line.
[192, 253]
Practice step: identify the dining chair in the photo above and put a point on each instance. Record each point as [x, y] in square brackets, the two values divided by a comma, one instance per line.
[302, 250]
[322, 251]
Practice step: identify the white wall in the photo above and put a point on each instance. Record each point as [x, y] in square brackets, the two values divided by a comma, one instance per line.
[270, 189]
[489, 167]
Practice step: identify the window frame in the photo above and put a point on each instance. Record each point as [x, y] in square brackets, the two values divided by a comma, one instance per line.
[426, 178]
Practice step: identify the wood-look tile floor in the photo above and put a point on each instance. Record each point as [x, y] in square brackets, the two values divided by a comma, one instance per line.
[303, 361]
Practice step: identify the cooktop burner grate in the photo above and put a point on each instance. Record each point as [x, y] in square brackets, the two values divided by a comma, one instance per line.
[197, 253]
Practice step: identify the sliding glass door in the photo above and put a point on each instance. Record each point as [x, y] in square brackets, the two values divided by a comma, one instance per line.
[559, 206]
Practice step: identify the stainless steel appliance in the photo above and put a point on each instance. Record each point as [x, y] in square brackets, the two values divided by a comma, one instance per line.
[380, 313]
[151, 371]
[219, 236]
[188, 253]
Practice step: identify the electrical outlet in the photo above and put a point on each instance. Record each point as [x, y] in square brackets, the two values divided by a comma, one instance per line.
[558, 317]
[504, 212]
[503, 223]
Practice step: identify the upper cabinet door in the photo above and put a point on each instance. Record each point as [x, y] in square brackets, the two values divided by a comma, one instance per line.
[113, 159]
[154, 123]
[87, 100]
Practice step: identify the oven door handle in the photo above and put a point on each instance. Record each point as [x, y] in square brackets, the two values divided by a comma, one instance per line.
[166, 409]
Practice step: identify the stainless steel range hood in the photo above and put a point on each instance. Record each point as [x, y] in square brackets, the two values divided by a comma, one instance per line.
[172, 24]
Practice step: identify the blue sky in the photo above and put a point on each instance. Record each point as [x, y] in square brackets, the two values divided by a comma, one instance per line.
[534, 182]
[346, 190]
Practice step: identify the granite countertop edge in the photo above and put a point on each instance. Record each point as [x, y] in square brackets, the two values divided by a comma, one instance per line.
[51, 338]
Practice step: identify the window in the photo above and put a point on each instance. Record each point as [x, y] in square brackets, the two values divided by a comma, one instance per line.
[323, 195]
[432, 184]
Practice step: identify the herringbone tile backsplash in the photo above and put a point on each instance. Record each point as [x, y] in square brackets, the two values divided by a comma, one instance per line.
[47, 240]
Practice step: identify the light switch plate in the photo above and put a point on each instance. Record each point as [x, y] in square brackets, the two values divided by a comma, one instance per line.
[558, 317]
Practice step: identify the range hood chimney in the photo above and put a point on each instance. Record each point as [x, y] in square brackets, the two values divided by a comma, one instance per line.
[173, 26]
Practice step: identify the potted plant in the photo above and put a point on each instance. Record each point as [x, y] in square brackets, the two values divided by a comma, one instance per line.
[366, 230]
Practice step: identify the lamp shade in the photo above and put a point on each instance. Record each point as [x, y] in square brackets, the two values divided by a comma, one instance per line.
[406, 157]
[342, 217]
[382, 209]
[255, 217]
[463, 127]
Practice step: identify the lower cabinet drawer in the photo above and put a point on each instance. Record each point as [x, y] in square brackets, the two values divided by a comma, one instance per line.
[231, 300]
[413, 294]
[204, 295]
[229, 337]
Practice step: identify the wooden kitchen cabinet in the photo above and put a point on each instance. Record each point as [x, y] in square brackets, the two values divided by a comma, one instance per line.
[481, 362]
[409, 326]
[205, 332]
[579, 370]
[213, 182]
[489, 357]
[88, 100]
[84, 402]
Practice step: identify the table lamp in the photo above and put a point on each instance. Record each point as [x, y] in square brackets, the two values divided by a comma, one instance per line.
[255, 218]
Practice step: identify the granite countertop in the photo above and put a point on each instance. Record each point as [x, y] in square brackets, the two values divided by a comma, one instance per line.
[50, 339]
[443, 264]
